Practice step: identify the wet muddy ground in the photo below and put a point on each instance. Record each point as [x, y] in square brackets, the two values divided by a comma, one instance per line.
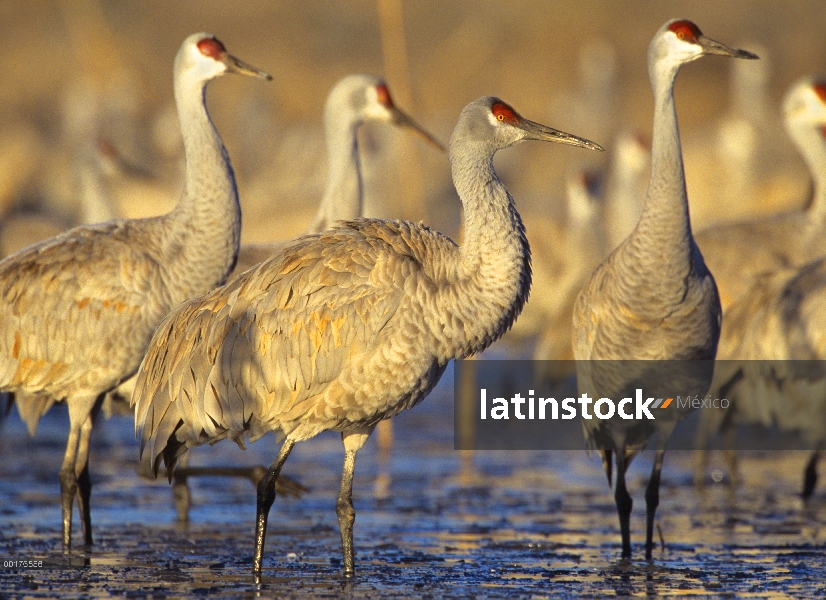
[430, 521]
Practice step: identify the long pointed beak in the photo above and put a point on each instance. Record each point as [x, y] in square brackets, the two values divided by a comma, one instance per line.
[711, 47]
[402, 119]
[235, 65]
[543, 133]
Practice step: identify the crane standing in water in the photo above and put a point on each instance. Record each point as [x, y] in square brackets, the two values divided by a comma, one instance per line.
[78, 310]
[770, 364]
[355, 100]
[345, 328]
[653, 298]
[768, 291]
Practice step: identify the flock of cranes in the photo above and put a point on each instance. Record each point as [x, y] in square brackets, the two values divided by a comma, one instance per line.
[356, 321]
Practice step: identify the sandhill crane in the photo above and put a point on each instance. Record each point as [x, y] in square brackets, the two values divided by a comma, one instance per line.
[736, 252]
[345, 328]
[353, 101]
[78, 310]
[768, 334]
[652, 298]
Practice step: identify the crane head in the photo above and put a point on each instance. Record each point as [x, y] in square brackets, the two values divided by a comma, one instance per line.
[380, 107]
[203, 57]
[359, 98]
[495, 122]
[401, 119]
[680, 41]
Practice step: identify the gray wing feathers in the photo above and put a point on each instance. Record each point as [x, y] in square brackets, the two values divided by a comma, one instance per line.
[268, 350]
[770, 334]
[612, 321]
[731, 254]
[69, 322]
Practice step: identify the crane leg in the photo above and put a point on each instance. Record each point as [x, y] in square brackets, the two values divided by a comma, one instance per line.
[84, 493]
[264, 499]
[181, 494]
[84, 481]
[353, 441]
[652, 500]
[79, 411]
[810, 475]
[624, 503]
[68, 484]
[731, 458]
[346, 513]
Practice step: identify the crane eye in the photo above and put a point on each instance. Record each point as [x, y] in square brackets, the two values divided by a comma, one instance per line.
[685, 31]
[211, 47]
[504, 113]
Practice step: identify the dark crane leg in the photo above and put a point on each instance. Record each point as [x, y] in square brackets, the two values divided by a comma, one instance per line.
[84, 481]
[74, 472]
[264, 500]
[624, 503]
[652, 500]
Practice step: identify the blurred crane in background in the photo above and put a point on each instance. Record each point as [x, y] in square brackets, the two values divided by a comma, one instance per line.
[353, 101]
[770, 365]
[736, 252]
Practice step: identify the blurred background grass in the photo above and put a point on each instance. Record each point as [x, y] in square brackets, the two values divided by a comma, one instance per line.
[79, 73]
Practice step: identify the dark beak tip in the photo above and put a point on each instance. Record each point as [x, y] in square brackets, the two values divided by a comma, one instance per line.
[435, 143]
[403, 120]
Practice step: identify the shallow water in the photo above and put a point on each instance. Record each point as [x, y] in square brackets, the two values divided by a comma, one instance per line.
[429, 521]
